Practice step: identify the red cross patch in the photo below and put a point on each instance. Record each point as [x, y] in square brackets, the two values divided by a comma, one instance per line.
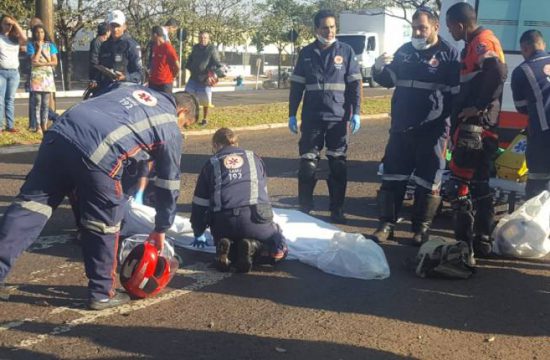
[144, 98]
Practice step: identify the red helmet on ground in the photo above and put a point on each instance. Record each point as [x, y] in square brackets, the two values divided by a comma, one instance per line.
[145, 273]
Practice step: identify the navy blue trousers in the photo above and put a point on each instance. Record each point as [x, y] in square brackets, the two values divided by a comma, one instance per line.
[60, 169]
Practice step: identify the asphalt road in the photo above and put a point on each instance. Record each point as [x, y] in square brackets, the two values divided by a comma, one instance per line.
[293, 311]
[245, 97]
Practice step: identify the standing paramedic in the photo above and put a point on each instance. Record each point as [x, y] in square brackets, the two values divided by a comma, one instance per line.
[531, 91]
[85, 152]
[473, 120]
[426, 75]
[328, 77]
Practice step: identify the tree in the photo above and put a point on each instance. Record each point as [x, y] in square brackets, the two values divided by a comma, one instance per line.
[19, 9]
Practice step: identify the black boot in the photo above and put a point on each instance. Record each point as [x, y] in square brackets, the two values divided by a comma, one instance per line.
[424, 209]
[247, 251]
[386, 208]
[306, 184]
[222, 254]
[337, 183]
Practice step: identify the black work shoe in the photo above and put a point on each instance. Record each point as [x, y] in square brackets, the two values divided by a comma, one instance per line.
[203, 122]
[222, 255]
[483, 246]
[420, 237]
[247, 250]
[120, 298]
[338, 217]
[383, 233]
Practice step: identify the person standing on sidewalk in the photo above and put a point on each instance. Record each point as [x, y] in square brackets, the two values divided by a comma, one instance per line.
[202, 63]
[43, 55]
[164, 62]
[12, 37]
[328, 72]
[426, 74]
[103, 33]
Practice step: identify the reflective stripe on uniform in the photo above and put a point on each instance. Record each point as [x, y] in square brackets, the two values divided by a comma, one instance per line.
[432, 186]
[310, 156]
[521, 103]
[326, 87]
[336, 153]
[201, 201]
[538, 176]
[99, 226]
[253, 177]
[395, 177]
[467, 77]
[217, 183]
[538, 96]
[415, 84]
[127, 129]
[298, 79]
[35, 207]
[455, 89]
[167, 184]
[354, 77]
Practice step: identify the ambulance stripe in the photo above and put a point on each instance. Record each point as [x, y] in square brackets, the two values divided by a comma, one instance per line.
[392, 74]
[201, 201]
[35, 207]
[217, 183]
[538, 176]
[99, 226]
[354, 77]
[395, 177]
[167, 184]
[115, 136]
[521, 103]
[325, 87]
[423, 85]
[298, 79]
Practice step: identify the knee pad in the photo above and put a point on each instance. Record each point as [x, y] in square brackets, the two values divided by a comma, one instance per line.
[338, 168]
[307, 169]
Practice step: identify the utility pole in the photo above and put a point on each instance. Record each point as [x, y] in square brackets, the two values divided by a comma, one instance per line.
[44, 10]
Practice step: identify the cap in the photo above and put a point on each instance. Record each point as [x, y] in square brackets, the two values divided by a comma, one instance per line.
[116, 17]
[102, 28]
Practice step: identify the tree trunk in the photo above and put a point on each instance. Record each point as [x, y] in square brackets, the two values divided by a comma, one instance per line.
[279, 68]
[67, 64]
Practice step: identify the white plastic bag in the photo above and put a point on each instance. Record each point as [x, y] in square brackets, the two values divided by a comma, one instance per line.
[140, 219]
[131, 242]
[524, 233]
[351, 255]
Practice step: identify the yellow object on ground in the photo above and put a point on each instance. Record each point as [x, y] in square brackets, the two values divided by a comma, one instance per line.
[511, 164]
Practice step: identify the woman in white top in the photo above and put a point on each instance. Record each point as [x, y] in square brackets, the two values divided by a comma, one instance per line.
[11, 37]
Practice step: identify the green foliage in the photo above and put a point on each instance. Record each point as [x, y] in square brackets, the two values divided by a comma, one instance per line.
[21, 10]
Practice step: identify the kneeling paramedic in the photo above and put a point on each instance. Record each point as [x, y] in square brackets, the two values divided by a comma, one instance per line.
[425, 73]
[531, 91]
[231, 197]
[328, 72]
[85, 152]
[474, 118]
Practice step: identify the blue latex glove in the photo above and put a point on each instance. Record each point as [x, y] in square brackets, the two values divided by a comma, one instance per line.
[200, 241]
[138, 197]
[355, 123]
[293, 124]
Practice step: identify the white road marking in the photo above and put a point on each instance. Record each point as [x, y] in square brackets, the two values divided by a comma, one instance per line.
[203, 276]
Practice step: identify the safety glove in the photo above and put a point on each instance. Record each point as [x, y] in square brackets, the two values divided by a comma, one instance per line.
[355, 123]
[293, 124]
[382, 61]
[200, 241]
[138, 197]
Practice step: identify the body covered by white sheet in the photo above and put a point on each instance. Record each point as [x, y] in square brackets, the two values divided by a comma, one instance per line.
[310, 240]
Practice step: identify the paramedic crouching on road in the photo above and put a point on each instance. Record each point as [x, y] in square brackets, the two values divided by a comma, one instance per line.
[85, 151]
[531, 91]
[473, 120]
[328, 72]
[231, 197]
[426, 74]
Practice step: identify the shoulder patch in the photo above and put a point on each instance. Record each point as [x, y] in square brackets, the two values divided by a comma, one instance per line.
[233, 161]
[144, 98]
[338, 59]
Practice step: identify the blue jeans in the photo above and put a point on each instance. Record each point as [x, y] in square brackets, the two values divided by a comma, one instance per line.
[9, 81]
[39, 103]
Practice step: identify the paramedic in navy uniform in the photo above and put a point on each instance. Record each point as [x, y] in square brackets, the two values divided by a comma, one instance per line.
[328, 77]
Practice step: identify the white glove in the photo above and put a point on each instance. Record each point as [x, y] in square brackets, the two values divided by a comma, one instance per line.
[382, 61]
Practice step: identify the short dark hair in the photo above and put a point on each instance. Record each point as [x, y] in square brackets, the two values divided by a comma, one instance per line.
[462, 13]
[157, 30]
[531, 37]
[425, 10]
[171, 22]
[322, 14]
[225, 137]
[102, 28]
[204, 32]
[188, 101]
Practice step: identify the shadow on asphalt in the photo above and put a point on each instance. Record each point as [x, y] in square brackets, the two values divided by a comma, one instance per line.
[169, 343]
[499, 299]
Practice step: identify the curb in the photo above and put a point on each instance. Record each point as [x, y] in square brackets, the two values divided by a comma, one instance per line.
[15, 149]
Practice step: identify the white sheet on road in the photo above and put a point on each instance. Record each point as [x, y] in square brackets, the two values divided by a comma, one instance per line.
[310, 240]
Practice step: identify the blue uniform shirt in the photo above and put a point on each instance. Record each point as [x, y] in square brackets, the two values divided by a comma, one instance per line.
[424, 82]
[331, 79]
[130, 122]
[122, 55]
[531, 91]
